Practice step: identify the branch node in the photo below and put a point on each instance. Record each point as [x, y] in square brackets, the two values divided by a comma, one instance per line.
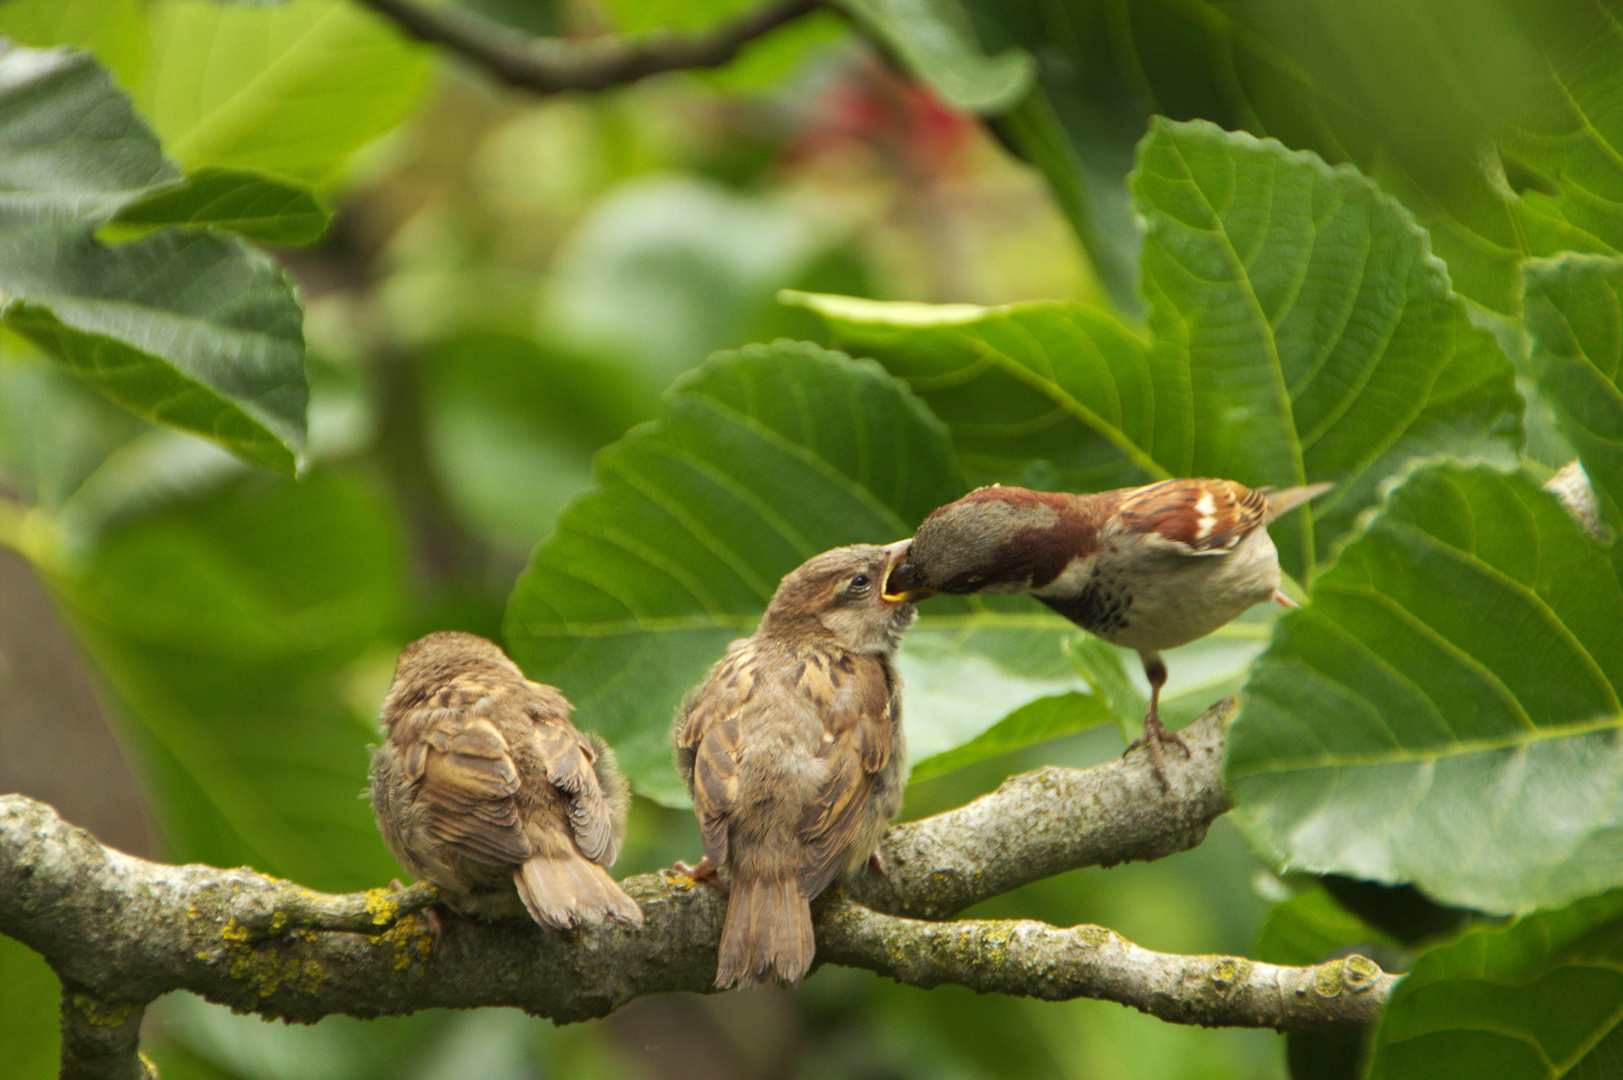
[100, 1038]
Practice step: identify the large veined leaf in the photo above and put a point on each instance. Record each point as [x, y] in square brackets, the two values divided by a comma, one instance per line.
[83, 464]
[762, 458]
[1300, 331]
[228, 626]
[1445, 712]
[1574, 311]
[187, 327]
[1413, 92]
[1535, 999]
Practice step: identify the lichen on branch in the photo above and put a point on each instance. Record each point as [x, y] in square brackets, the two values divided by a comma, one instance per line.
[122, 931]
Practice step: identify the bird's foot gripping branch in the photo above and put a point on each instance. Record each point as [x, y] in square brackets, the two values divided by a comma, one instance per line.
[122, 931]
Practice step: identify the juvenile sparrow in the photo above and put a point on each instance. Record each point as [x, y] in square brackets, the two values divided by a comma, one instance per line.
[792, 749]
[482, 780]
[1149, 568]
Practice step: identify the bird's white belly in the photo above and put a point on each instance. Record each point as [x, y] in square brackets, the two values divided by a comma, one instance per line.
[1158, 600]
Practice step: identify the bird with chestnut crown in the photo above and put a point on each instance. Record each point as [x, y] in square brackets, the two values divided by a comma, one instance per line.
[1148, 568]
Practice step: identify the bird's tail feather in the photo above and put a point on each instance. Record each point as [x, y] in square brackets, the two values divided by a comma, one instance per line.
[768, 934]
[567, 890]
[1288, 499]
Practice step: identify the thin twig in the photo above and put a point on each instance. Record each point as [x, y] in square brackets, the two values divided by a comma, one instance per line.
[551, 66]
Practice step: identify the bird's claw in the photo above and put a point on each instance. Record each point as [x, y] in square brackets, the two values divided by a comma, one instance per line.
[1155, 737]
[705, 871]
[880, 866]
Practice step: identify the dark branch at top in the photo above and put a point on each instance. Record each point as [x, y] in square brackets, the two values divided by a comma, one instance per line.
[551, 66]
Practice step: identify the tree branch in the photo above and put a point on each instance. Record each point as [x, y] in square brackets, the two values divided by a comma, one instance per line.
[121, 931]
[550, 66]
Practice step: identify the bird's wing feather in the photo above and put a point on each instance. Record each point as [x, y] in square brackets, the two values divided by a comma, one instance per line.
[568, 759]
[852, 693]
[1194, 517]
[711, 731]
[466, 780]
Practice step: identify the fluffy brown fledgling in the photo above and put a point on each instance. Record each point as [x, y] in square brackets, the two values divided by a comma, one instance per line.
[481, 780]
[793, 752]
[1149, 568]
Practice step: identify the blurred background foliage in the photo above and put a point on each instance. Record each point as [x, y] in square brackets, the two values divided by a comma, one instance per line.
[193, 646]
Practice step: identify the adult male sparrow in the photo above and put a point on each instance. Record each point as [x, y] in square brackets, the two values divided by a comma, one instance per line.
[1149, 568]
[482, 780]
[792, 749]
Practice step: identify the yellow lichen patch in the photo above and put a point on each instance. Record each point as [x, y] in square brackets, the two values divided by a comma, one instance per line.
[1360, 973]
[410, 942]
[1328, 979]
[102, 1013]
[1227, 972]
[999, 935]
[273, 963]
[1091, 937]
[382, 909]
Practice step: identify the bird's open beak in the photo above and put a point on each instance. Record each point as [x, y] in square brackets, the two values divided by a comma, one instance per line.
[900, 585]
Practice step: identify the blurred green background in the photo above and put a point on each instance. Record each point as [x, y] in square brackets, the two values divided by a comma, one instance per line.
[192, 665]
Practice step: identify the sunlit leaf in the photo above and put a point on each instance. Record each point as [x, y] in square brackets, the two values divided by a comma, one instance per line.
[114, 30]
[290, 89]
[1045, 718]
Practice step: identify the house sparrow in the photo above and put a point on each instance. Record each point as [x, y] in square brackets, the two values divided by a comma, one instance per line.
[482, 780]
[792, 749]
[1149, 568]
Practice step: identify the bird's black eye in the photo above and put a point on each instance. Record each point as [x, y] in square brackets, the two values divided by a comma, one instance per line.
[859, 585]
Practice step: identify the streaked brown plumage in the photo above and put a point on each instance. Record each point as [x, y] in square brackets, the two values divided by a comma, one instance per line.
[793, 751]
[482, 785]
[1148, 568]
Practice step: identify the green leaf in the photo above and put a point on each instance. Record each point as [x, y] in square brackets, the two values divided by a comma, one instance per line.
[1412, 92]
[934, 39]
[761, 459]
[29, 993]
[1050, 380]
[1537, 998]
[1036, 721]
[115, 30]
[253, 206]
[1301, 331]
[670, 269]
[293, 90]
[191, 329]
[1570, 140]
[1309, 928]
[511, 425]
[229, 627]
[1445, 712]
[1574, 312]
